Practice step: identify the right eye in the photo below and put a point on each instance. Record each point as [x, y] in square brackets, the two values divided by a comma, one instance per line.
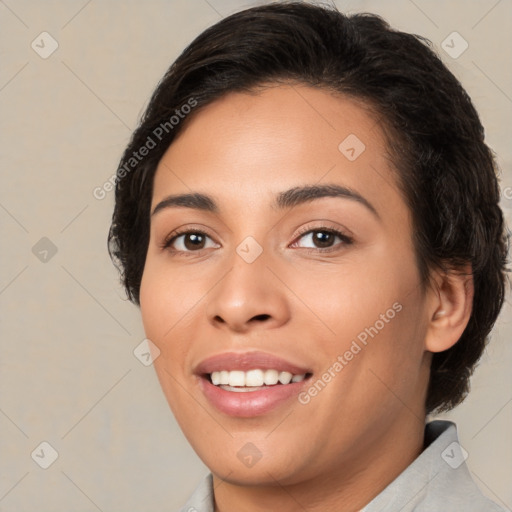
[187, 241]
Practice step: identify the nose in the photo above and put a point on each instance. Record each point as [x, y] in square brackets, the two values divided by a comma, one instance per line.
[248, 297]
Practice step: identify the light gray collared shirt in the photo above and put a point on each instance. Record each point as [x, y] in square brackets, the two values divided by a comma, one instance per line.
[437, 481]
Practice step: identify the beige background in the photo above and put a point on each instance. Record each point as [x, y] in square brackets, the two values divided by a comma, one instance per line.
[68, 373]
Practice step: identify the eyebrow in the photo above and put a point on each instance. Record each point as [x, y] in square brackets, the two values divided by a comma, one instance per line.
[284, 200]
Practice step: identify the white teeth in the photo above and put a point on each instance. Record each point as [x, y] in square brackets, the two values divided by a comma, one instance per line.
[236, 378]
[285, 377]
[271, 377]
[253, 378]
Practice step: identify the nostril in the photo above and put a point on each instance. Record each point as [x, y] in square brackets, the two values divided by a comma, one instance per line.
[261, 317]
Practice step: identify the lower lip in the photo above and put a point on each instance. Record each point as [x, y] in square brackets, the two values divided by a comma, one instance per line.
[250, 403]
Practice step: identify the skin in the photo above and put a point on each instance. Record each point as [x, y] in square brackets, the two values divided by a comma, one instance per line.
[338, 451]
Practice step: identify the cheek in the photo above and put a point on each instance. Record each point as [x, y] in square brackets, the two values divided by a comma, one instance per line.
[151, 292]
[383, 354]
[158, 310]
[163, 314]
[171, 307]
[166, 298]
[374, 314]
[352, 296]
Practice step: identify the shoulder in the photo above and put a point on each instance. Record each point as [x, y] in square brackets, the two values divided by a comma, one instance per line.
[452, 486]
[438, 479]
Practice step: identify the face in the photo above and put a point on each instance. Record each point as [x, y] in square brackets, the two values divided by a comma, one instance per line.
[299, 261]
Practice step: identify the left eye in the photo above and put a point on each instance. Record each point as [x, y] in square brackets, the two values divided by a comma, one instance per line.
[323, 238]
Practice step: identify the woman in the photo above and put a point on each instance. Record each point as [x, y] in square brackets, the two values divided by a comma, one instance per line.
[308, 217]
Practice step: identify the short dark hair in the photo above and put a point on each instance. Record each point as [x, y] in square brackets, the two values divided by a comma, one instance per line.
[445, 171]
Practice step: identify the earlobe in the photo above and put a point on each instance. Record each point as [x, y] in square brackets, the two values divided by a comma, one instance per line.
[452, 301]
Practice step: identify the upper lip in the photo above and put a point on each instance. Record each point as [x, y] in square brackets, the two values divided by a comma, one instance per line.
[247, 361]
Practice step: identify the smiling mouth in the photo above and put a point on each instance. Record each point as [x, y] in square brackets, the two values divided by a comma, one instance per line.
[240, 381]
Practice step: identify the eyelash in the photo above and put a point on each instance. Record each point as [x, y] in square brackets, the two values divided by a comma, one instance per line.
[346, 240]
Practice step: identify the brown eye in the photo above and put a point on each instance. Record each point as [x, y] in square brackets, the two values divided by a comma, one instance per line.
[323, 239]
[188, 241]
[193, 241]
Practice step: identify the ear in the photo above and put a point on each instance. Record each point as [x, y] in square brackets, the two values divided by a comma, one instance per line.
[451, 302]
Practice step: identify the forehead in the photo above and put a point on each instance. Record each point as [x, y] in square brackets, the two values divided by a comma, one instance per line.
[245, 148]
